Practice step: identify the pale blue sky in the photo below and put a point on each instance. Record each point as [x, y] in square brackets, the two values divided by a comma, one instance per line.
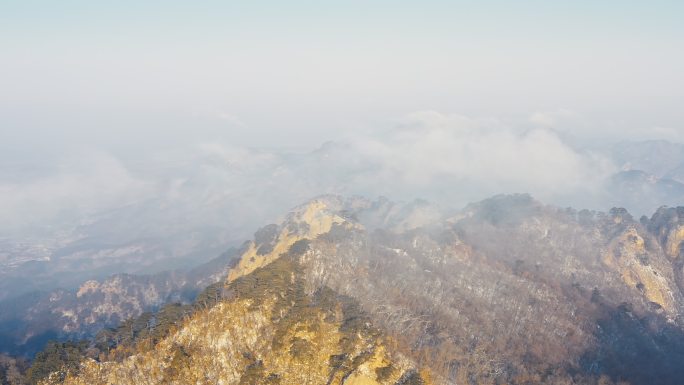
[289, 73]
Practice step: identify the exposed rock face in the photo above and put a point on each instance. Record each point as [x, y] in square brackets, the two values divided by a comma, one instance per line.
[506, 291]
[667, 224]
[233, 343]
[305, 222]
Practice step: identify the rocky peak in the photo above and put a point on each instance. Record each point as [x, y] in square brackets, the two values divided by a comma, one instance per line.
[307, 221]
[668, 225]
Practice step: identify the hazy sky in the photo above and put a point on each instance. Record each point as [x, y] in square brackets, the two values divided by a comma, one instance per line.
[133, 75]
[106, 103]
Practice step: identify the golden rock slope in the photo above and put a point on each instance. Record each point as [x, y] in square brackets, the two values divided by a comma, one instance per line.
[269, 330]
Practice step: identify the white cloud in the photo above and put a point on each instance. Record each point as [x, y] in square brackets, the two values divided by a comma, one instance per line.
[231, 119]
[664, 133]
[83, 184]
[551, 119]
[476, 158]
[583, 130]
[449, 159]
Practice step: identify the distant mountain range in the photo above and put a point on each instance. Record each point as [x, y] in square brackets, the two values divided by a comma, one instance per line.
[659, 158]
[652, 175]
[27, 322]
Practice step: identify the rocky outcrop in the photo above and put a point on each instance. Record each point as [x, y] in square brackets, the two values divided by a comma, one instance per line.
[306, 222]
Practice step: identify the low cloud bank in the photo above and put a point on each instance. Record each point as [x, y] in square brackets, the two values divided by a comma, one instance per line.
[451, 160]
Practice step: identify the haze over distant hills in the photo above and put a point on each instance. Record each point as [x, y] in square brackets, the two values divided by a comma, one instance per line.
[652, 174]
[176, 209]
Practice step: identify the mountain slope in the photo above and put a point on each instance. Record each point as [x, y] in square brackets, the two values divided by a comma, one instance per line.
[507, 290]
[269, 329]
[29, 321]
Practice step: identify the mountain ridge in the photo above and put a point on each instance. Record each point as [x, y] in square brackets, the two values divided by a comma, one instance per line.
[506, 290]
